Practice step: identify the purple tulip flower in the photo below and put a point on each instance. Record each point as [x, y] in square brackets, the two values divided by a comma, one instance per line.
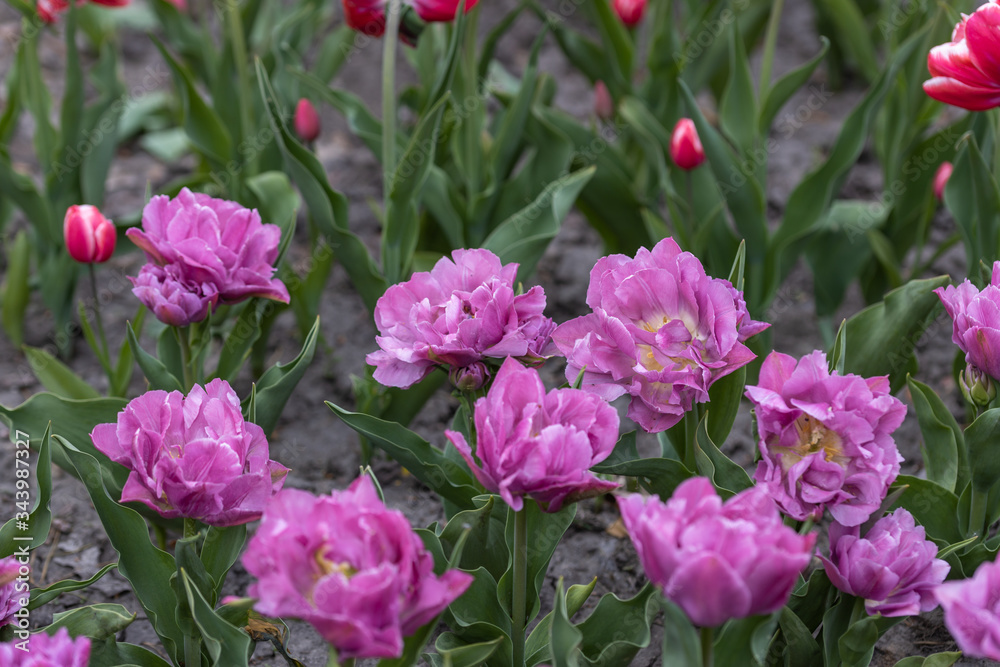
[662, 331]
[350, 567]
[972, 611]
[825, 439]
[173, 300]
[193, 456]
[894, 567]
[462, 311]
[217, 248]
[530, 443]
[13, 594]
[716, 560]
[976, 321]
[47, 651]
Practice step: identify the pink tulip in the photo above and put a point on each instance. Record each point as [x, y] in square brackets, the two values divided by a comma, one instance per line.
[941, 177]
[217, 250]
[13, 593]
[975, 318]
[44, 650]
[825, 438]
[306, 121]
[90, 237]
[193, 456]
[894, 567]
[530, 443]
[716, 560]
[463, 311]
[966, 71]
[972, 611]
[604, 105]
[350, 567]
[685, 146]
[662, 331]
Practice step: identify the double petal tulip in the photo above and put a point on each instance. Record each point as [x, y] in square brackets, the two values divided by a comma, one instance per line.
[966, 71]
[45, 650]
[349, 566]
[893, 567]
[174, 300]
[530, 443]
[975, 318]
[825, 439]
[13, 593]
[716, 560]
[662, 331]
[193, 456]
[463, 311]
[972, 611]
[212, 242]
[90, 237]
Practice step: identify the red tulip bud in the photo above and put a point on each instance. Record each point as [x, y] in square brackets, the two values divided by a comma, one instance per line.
[629, 11]
[941, 177]
[604, 106]
[306, 121]
[90, 237]
[685, 146]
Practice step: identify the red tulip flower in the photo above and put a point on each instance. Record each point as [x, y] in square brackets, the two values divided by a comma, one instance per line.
[49, 10]
[629, 11]
[306, 121]
[685, 146]
[90, 237]
[966, 71]
[368, 16]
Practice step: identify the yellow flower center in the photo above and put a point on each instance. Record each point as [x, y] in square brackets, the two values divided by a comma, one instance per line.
[813, 438]
[328, 567]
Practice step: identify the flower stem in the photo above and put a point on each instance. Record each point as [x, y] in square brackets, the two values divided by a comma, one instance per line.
[100, 323]
[184, 342]
[390, 40]
[190, 527]
[520, 585]
[706, 647]
[234, 25]
[192, 651]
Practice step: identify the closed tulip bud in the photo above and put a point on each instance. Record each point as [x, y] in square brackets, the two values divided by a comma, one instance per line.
[306, 121]
[90, 237]
[941, 177]
[685, 146]
[604, 106]
[629, 11]
[977, 387]
[470, 378]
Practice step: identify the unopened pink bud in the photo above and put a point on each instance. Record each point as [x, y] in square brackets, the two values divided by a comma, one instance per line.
[90, 237]
[604, 106]
[941, 177]
[629, 11]
[685, 146]
[306, 121]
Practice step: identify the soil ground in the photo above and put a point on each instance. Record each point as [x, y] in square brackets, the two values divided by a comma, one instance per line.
[322, 453]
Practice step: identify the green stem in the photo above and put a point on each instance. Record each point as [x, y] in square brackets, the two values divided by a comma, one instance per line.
[389, 42]
[235, 25]
[807, 525]
[184, 341]
[520, 585]
[706, 647]
[470, 124]
[192, 651]
[100, 323]
[692, 216]
[190, 527]
[332, 660]
[977, 513]
[691, 419]
[770, 42]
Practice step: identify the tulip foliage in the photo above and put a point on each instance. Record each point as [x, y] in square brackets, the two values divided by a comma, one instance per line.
[479, 167]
